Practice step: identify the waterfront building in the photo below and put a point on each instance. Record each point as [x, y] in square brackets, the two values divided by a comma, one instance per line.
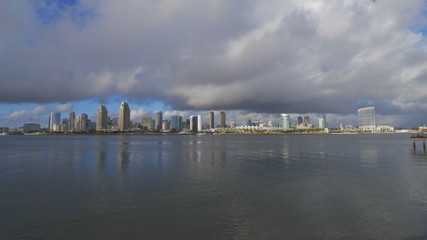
[223, 119]
[147, 123]
[199, 123]
[115, 122]
[233, 125]
[285, 121]
[81, 122]
[71, 121]
[48, 123]
[322, 122]
[385, 128]
[165, 125]
[65, 122]
[31, 127]
[366, 118]
[211, 119]
[299, 120]
[176, 123]
[124, 117]
[248, 122]
[186, 125]
[101, 118]
[159, 120]
[90, 125]
[59, 127]
[193, 123]
[55, 118]
[306, 120]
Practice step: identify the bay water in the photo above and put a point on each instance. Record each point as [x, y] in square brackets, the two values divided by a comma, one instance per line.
[213, 187]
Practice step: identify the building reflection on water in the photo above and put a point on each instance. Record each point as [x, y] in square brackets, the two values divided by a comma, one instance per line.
[368, 157]
[122, 153]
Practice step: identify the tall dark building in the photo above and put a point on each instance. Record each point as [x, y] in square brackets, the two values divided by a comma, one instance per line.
[299, 121]
[222, 119]
[211, 119]
[159, 120]
[306, 120]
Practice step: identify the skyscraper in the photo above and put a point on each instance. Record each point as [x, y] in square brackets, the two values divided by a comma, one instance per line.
[199, 123]
[147, 123]
[124, 117]
[222, 119]
[248, 122]
[81, 122]
[306, 120]
[165, 125]
[322, 122]
[211, 119]
[101, 118]
[299, 120]
[65, 122]
[176, 123]
[285, 120]
[366, 117]
[159, 120]
[193, 123]
[71, 121]
[55, 118]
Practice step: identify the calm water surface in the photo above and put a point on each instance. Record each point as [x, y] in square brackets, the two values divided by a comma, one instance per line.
[212, 187]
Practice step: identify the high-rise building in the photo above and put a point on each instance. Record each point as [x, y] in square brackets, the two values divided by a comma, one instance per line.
[48, 123]
[186, 124]
[285, 120]
[65, 122]
[115, 122]
[176, 123]
[322, 122]
[211, 119]
[222, 119]
[165, 125]
[306, 120]
[81, 122]
[233, 125]
[199, 123]
[55, 118]
[159, 120]
[366, 117]
[193, 123]
[71, 121]
[248, 122]
[147, 123]
[101, 118]
[299, 120]
[124, 117]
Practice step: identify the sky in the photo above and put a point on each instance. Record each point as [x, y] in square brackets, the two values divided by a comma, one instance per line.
[253, 59]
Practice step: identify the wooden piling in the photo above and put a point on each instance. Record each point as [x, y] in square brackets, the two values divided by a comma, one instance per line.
[413, 144]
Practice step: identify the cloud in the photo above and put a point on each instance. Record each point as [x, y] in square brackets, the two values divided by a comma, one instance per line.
[137, 114]
[64, 107]
[38, 110]
[252, 56]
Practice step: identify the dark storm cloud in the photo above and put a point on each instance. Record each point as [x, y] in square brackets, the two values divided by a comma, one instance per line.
[266, 56]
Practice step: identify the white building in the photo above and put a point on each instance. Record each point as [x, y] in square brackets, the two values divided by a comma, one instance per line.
[322, 122]
[199, 123]
[285, 121]
[366, 117]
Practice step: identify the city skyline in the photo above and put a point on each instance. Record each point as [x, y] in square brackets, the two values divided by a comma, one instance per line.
[240, 119]
[246, 58]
